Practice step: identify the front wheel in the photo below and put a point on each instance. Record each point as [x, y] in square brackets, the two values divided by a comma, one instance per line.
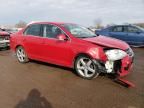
[21, 55]
[86, 68]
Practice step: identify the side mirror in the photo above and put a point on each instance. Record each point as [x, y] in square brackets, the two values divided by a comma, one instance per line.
[62, 37]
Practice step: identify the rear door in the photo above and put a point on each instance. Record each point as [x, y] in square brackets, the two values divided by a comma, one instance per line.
[118, 32]
[33, 41]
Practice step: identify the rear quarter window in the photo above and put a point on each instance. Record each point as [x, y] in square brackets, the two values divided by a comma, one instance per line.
[133, 29]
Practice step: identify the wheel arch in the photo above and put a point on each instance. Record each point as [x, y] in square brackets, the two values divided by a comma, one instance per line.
[18, 46]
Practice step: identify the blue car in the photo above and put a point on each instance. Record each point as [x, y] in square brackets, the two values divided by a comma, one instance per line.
[133, 35]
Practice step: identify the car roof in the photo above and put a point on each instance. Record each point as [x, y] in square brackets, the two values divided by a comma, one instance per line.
[42, 22]
[123, 25]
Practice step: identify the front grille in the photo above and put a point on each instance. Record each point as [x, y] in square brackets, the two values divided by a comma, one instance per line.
[130, 52]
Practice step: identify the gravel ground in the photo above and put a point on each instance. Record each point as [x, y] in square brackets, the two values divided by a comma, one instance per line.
[42, 85]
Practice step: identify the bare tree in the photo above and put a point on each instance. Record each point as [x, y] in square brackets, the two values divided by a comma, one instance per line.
[21, 24]
[140, 24]
[98, 23]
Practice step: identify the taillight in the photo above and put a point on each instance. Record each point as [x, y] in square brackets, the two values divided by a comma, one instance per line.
[7, 37]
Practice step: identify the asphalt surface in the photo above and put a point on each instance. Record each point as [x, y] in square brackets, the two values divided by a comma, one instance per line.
[42, 85]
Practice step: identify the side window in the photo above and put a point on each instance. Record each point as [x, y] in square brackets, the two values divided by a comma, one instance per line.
[33, 30]
[133, 29]
[125, 28]
[51, 31]
[117, 29]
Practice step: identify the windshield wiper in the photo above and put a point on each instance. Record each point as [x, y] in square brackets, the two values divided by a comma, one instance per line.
[81, 37]
[86, 37]
[94, 36]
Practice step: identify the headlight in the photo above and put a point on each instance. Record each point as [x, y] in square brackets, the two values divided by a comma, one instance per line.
[115, 54]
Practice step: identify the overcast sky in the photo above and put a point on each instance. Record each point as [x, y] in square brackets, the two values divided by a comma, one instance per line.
[83, 12]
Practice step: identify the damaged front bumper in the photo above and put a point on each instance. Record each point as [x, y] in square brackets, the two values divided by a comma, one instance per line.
[126, 66]
[120, 67]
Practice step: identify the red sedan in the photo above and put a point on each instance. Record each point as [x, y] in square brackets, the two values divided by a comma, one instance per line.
[73, 46]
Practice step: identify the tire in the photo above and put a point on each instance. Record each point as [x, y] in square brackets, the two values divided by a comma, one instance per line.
[86, 68]
[7, 48]
[21, 55]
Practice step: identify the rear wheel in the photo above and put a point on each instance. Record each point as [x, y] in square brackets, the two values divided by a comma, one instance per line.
[86, 68]
[21, 55]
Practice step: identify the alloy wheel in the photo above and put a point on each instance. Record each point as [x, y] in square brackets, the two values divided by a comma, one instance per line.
[21, 55]
[86, 68]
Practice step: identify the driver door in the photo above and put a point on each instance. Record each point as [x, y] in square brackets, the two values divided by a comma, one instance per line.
[54, 50]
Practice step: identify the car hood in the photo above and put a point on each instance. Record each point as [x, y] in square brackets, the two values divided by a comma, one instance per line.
[108, 42]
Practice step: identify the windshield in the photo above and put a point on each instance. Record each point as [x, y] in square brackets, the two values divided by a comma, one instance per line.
[78, 31]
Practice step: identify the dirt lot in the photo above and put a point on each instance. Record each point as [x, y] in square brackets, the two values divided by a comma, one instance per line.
[41, 85]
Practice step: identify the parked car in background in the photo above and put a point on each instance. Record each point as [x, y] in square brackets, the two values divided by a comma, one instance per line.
[73, 46]
[12, 30]
[4, 39]
[133, 35]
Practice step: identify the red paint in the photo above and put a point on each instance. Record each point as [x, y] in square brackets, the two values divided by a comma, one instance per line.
[126, 62]
[109, 42]
[125, 82]
[64, 52]
[61, 37]
[3, 33]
